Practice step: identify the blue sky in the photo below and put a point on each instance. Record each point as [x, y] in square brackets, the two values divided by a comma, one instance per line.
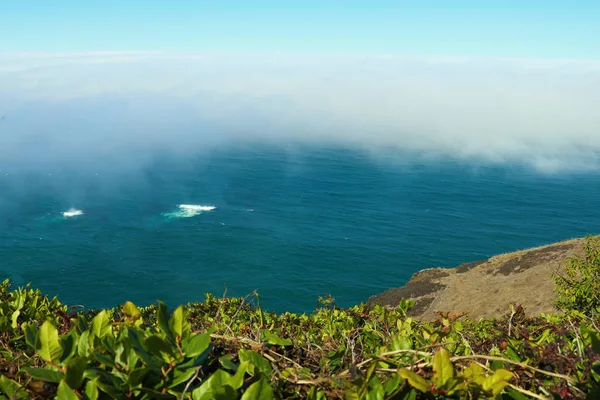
[536, 29]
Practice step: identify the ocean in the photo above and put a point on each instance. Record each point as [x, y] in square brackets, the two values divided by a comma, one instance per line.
[291, 221]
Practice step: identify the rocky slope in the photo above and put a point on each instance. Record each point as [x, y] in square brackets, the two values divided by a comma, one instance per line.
[488, 287]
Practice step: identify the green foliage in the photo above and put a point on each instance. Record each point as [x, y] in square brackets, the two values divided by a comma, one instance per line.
[579, 287]
[231, 349]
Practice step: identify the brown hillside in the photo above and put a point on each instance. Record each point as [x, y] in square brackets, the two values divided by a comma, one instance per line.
[487, 288]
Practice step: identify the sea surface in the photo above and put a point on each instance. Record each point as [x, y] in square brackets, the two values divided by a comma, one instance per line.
[293, 222]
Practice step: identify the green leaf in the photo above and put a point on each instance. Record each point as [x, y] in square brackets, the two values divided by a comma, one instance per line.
[81, 323]
[351, 394]
[516, 395]
[474, 373]
[146, 358]
[226, 363]
[497, 382]
[544, 337]
[458, 326]
[255, 359]
[30, 334]
[442, 367]
[364, 387]
[409, 394]
[109, 382]
[160, 347]
[120, 353]
[136, 376]
[215, 387]
[196, 345]
[260, 390]
[178, 322]
[414, 380]
[104, 359]
[401, 342]
[512, 354]
[130, 309]
[237, 381]
[108, 342]
[392, 384]
[273, 339]
[224, 393]
[91, 390]
[74, 373]
[69, 345]
[5, 325]
[64, 392]
[375, 391]
[180, 377]
[109, 389]
[21, 296]
[47, 344]
[163, 320]
[153, 394]
[42, 374]
[83, 344]
[496, 364]
[131, 312]
[315, 394]
[14, 317]
[12, 389]
[131, 357]
[101, 325]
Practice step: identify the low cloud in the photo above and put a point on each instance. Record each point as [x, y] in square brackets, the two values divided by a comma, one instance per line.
[81, 108]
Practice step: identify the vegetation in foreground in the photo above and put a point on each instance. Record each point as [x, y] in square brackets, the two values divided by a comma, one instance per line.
[229, 348]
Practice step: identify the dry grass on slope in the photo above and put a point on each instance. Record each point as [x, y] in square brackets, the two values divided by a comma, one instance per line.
[487, 288]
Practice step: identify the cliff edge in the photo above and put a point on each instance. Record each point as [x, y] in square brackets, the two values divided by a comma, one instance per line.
[487, 288]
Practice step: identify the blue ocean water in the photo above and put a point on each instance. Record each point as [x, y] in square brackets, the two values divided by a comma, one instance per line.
[293, 222]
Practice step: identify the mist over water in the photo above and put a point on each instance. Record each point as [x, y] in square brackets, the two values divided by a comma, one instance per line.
[138, 176]
[89, 108]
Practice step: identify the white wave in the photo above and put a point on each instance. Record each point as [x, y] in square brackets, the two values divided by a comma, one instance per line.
[189, 210]
[72, 212]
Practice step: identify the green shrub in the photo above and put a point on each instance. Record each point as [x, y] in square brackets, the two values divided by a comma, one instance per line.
[579, 287]
[230, 349]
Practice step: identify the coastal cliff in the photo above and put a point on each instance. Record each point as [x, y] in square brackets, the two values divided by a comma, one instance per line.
[486, 288]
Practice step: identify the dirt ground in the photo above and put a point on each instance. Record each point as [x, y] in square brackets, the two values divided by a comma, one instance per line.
[486, 288]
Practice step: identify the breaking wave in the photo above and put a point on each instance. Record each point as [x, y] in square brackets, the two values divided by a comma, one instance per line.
[72, 212]
[188, 210]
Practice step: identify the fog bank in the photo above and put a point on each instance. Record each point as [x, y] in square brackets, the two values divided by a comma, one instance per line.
[123, 107]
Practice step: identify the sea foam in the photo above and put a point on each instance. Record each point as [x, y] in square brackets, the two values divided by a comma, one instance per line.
[188, 210]
[72, 212]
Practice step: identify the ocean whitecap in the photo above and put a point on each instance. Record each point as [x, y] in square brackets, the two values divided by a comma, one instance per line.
[72, 212]
[188, 210]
